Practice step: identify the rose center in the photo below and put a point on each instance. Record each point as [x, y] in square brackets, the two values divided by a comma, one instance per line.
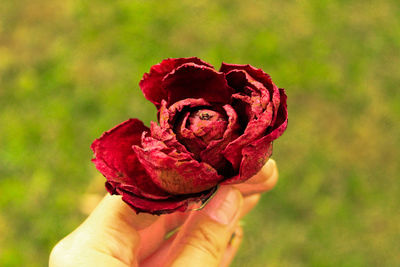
[207, 124]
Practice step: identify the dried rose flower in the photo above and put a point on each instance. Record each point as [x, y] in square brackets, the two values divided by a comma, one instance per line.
[214, 127]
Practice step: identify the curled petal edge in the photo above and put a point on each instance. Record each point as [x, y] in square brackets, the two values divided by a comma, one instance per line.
[151, 82]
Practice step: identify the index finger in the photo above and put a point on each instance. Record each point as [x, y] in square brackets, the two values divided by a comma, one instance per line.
[263, 181]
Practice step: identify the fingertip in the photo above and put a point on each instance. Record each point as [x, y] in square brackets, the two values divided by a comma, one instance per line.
[273, 179]
[249, 203]
[269, 168]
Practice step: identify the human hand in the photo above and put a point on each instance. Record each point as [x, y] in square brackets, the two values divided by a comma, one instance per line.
[113, 235]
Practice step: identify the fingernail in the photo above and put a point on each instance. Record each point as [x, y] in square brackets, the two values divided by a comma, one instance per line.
[224, 206]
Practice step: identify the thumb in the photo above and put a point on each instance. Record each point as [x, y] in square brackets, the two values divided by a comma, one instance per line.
[203, 239]
[107, 237]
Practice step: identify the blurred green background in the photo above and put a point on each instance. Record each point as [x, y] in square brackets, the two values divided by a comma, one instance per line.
[69, 70]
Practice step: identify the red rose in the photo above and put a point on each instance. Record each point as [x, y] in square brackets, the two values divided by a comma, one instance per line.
[215, 127]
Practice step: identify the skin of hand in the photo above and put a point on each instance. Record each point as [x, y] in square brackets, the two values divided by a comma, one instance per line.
[113, 235]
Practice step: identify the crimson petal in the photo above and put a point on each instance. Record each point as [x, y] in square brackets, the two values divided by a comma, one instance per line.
[116, 160]
[197, 81]
[167, 115]
[181, 203]
[168, 137]
[257, 74]
[177, 173]
[254, 130]
[213, 153]
[151, 82]
[257, 153]
[254, 156]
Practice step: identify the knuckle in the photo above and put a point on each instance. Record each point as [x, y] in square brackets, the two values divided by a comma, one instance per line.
[205, 240]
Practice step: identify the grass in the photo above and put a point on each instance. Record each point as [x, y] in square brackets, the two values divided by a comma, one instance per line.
[69, 70]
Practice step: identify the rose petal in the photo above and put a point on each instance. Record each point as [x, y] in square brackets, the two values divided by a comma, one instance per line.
[171, 121]
[149, 143]
[168, 137]
[213, 153]
[193, 143]
[207, 124]
[195, 81]
[116, 160]
[242, 107]
[156, 207]
[240, 79]
[276, 99]
[151, 82]
[175, 172]
[280, 124]
[168, 115]
[254, 130]
[256, 154]
[195, 133]
[257, 74]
